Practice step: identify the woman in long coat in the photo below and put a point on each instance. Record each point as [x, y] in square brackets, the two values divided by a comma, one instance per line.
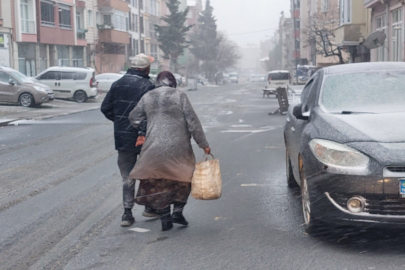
[167, 160]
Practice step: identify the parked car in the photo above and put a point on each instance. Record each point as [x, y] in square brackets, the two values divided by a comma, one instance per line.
[105, 80]
[15, 87]
[345, 145]
[257, 78]
[70, 82]
[278, 78]
[233, 77]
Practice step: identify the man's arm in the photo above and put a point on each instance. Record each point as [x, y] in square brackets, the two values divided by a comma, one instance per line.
[107, 107]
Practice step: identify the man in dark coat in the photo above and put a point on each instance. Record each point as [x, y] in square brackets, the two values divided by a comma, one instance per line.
[122, 98]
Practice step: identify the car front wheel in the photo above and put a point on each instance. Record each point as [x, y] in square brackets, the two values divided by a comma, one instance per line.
[80, 96]
[311, 224]
[26, 100]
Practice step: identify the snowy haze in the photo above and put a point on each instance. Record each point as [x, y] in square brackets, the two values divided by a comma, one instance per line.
[246, 16]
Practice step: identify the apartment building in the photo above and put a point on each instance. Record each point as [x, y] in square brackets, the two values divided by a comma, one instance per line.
[49, 33]
[134, 29]
[151, 16]
[6, 43]
[388, 16]
[353, 29]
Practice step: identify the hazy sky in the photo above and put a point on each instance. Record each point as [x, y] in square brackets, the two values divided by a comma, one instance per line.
[245, 16]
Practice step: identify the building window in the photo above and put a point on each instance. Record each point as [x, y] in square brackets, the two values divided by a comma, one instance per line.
[152, 29]
[140, 4]
[141, 25]
[98, 18]
[64, 17]
[134, 22]
[121, 21]
[63, 56]
[2, 41]
[42, 57]
[345, 10]
[134, 3]
[78, 57]
[135, 47]
[397, 37]
[107, 20]
[381, 25]
[325, 5]
[27, 21]
[153, 7]
[26, 59]
[90, 18]
[154, 51]
[47, 14]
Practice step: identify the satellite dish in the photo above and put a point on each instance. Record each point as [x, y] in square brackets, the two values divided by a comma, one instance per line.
[375, 40]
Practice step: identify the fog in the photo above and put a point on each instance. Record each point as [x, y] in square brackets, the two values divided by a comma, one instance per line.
[237, 18]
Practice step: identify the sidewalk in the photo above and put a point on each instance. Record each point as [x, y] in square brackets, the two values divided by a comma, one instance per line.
[58, 107]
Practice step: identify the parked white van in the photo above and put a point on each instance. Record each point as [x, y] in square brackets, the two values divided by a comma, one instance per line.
[278, 78]
[70, 82]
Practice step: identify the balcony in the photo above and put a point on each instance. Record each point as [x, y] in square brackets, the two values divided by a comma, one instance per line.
[28, 26]
[372, 3]
[115, 4]
[349, 34]
[109, 35]
[81, 33]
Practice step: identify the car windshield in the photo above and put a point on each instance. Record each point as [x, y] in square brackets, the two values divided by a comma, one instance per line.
[364, 92]
[279, 76]
[21, 77]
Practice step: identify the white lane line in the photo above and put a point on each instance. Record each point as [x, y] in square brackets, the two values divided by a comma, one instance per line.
[241, 126]
[141, 230]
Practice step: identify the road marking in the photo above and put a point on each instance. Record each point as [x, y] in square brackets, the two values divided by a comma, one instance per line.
[141, 230]
[245, 131]
[254, 185]
[241, 126]
[241, 121]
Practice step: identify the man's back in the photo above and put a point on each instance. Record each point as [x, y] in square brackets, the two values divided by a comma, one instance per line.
[122, 98]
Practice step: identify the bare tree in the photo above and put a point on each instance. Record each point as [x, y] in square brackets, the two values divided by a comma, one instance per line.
[228, 53]
[320, 33]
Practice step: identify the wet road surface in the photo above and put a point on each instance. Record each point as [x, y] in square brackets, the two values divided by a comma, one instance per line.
[60, 200]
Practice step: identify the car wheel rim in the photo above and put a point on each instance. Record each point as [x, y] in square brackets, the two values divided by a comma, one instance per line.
[25, 100]
[306, 208]
[80, 97]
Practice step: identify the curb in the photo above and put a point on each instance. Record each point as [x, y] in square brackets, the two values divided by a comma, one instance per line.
[5, 122]
[8, 122]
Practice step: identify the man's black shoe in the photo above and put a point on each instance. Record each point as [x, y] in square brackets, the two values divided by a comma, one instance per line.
[127, 218]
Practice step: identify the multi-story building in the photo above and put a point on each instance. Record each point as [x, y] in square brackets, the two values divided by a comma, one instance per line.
[6, 44]
[134, 29]
[151, 16]
[388, 16]
[113, 36]
[49, 33]
[353, 29]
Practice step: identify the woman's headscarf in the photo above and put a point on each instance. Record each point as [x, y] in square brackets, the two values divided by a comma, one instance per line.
[166, 78]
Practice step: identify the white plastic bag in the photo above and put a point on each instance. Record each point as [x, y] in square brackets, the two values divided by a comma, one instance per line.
[207, 181]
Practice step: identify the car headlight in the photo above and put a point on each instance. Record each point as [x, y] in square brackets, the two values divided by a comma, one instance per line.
[336, 154]
[40, 89]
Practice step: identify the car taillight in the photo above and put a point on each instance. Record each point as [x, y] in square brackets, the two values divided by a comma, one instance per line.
[93, 82]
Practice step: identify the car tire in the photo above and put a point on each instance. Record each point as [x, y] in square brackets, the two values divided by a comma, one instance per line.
[26, 100]
[80, 96]
[290, 175]
[311, 223]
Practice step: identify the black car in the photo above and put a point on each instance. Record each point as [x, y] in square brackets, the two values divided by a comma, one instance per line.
[345, 145]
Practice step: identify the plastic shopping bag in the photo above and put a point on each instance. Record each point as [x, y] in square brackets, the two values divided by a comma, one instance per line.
[207, 181]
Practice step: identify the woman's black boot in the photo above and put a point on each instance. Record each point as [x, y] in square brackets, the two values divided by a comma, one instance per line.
[178, 214]
[166, 218]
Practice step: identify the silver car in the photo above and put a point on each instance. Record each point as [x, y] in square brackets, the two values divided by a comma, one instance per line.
[15, 87]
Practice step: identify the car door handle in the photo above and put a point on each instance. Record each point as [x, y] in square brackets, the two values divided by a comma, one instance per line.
[293, 129]
[56, 84]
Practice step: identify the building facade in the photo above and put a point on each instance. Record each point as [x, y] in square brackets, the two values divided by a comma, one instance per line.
[387, 16]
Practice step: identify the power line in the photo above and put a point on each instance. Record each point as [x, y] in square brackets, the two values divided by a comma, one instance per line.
[252, 32]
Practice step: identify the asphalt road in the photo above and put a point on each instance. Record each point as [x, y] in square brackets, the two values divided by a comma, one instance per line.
[60, 200]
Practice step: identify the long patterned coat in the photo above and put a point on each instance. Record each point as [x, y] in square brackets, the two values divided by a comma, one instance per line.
[167, 152]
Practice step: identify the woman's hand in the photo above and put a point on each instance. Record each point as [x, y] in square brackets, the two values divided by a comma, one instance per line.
[140, 141]
[207, 150]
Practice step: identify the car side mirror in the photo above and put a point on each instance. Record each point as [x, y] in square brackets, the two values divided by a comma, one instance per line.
[11, 82]
[299, 114]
